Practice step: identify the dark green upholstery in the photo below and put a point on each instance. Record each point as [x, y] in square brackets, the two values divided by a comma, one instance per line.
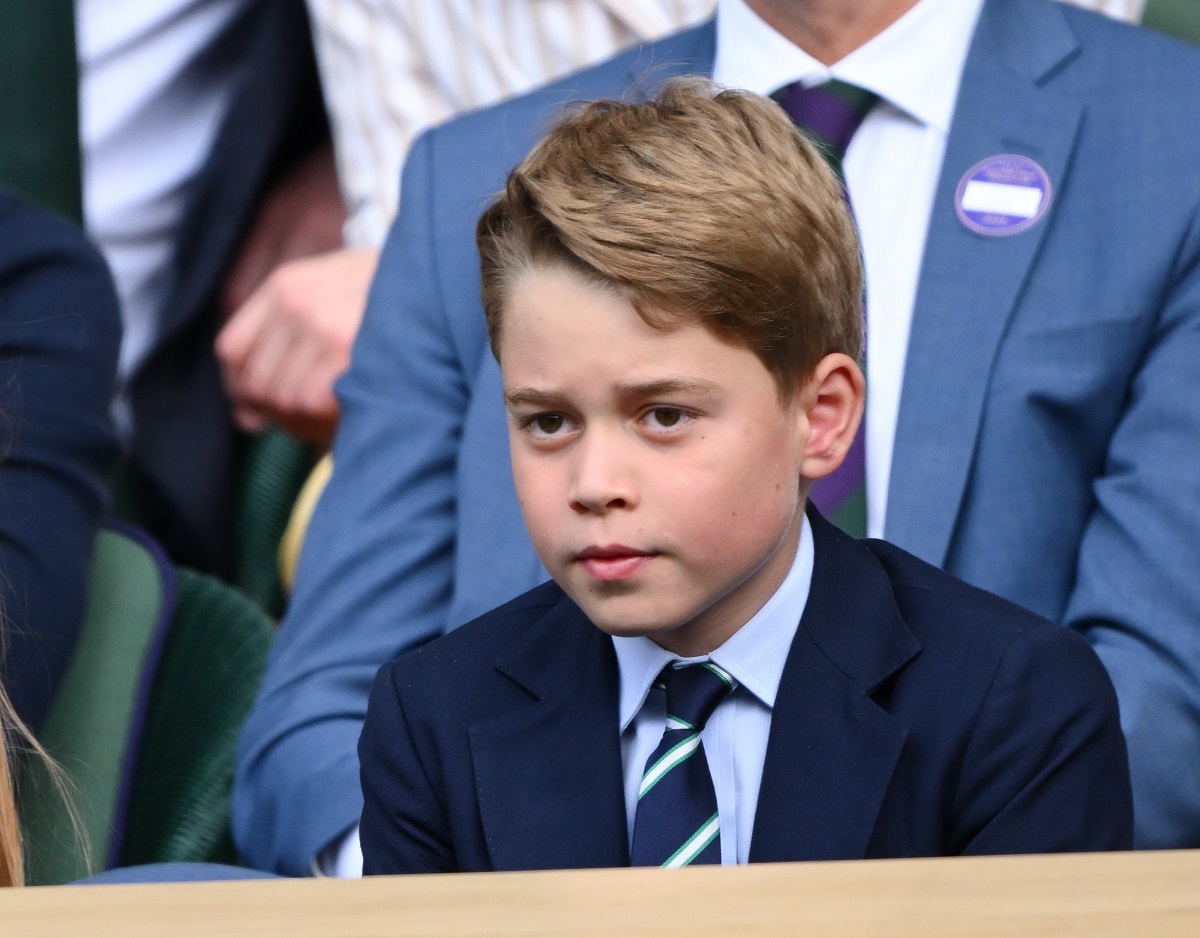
[146, 721]
[93, 725]
[1178, 18]
[273, 472]
[206, 682]
[39, 104]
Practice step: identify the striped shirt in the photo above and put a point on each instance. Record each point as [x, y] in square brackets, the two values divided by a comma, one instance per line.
[391, 68]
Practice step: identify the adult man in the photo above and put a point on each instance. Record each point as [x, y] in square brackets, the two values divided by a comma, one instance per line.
[1058, 472]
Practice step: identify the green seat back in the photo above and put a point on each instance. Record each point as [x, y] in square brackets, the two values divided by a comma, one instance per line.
[206, 682]
[1178, 18]
[93, 724]
[275, 467]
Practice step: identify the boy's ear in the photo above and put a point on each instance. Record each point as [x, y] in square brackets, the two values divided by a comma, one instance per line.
[832, 402]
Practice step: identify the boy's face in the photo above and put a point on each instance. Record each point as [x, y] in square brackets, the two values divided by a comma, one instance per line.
[659, 473]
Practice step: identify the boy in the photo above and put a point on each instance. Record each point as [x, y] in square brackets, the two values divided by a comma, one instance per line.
[673, 292]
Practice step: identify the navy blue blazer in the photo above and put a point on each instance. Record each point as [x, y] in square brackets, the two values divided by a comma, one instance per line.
[916, 716]
[1046, 447]
[60, 329]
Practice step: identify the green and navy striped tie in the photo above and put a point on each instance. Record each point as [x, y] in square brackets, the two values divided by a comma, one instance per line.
[677, 822]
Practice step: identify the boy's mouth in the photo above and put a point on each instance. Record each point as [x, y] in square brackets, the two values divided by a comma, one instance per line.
[613, 561]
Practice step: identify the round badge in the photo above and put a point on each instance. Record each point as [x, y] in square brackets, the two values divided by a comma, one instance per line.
[1003, 195]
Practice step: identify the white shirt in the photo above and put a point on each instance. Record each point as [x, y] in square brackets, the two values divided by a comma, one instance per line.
[1130, 10]
[148, 119]
[735, 737]
[391, 68]
[891, 167]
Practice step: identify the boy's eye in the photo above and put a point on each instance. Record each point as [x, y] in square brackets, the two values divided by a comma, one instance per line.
[665, 417]
[548, 423]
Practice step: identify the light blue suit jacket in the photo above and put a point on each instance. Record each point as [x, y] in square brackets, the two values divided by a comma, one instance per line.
[1048, 445]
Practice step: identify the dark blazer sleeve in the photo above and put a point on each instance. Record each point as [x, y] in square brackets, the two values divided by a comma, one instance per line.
[59, 334]
[1046, 770]
[404, 828]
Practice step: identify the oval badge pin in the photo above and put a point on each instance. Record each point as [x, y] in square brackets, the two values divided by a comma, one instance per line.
[1003, 195]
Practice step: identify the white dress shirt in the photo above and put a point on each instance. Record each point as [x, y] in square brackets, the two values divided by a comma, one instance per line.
[735, 737]
[148, 117]
[891, 168]
[1129, 10]
[391, 68]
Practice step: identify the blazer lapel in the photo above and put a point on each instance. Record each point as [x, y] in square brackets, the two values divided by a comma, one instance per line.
[548, 774]
[971, 283]
[832, 750]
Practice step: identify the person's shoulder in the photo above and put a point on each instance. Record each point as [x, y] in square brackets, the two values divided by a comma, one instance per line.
[28, 230]
[471, 650]
[954, 620]
[1131, 56]
[66, 302]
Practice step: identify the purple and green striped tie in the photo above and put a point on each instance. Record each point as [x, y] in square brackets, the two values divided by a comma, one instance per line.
[830, 113]
[677, 823]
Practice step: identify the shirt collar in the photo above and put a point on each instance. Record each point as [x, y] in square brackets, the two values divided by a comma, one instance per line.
[915, 64]
[754, 655]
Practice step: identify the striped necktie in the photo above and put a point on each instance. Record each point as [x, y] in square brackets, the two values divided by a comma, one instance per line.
[830, 113]
[677, 823]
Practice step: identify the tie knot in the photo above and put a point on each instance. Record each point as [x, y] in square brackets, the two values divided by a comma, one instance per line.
[831, 112]
[693, 693]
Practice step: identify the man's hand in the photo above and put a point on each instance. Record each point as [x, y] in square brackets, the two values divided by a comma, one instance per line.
[285, 346]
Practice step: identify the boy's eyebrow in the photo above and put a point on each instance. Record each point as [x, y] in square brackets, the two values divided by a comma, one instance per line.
[542, 397]
[531, 397]
[668, 386]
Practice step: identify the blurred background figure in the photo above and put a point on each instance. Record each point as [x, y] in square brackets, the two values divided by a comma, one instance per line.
[202, 127]
[186, 135]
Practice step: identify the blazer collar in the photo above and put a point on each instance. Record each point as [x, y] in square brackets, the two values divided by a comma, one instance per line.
[1009, 102]
[550, 769]
[832, 750]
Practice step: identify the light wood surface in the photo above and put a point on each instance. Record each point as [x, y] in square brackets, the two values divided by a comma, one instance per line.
[1148, 894]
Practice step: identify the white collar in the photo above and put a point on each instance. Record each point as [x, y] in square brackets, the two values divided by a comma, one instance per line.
[754, 655]
[915, 64]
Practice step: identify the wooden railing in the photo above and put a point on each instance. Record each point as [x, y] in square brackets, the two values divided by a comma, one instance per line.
[1151, 894]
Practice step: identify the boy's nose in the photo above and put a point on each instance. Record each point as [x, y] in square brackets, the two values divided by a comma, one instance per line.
[602, 479]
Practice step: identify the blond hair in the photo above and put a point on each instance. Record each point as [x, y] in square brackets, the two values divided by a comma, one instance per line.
[701, 205]
[12, 867]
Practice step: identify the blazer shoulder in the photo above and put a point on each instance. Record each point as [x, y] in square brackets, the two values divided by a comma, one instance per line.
[31, 233]
[473, 648]
[950, 616]
[1131, 57]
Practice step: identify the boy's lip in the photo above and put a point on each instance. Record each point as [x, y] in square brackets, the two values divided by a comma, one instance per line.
[613, 561]
[611, 551]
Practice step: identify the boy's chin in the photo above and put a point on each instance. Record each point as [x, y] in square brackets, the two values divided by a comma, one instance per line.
[627, 624]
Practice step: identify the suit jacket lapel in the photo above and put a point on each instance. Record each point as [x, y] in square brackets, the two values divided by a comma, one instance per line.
[970, 283]
[832, 750]
[548, 774]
